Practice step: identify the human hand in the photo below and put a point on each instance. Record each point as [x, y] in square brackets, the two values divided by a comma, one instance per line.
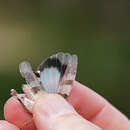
[53, 112]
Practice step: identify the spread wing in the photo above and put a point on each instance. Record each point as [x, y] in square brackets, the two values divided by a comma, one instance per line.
[57, 73]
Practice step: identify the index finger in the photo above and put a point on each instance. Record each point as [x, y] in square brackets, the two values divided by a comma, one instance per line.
[96, 109]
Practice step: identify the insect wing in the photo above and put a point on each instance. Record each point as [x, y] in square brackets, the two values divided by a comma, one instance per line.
[69, 75]
[27, 73]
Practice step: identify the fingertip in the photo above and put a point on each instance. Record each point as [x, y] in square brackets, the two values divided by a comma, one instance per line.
[49, 108]
[15, 113]
[51, 111]
[50, 104]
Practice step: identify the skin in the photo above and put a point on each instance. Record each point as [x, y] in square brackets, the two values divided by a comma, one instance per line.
[51, 111]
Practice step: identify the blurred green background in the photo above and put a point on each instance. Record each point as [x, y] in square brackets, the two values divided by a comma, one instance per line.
[97, 31]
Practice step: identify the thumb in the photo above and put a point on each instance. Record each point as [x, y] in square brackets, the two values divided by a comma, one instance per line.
[52, 112]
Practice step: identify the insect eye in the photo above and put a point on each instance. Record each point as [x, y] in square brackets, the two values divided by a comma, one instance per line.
[37, 73]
